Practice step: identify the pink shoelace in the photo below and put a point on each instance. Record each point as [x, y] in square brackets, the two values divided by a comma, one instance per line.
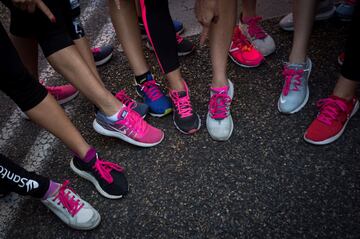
[240, 41]
[124, 98]
[291, 75]
[182, 104]
[219, 104]
[179, 38]
[330, 109]
[72, 206]
[104, 169]
[151, 89]
[254, 29]
[133, 124]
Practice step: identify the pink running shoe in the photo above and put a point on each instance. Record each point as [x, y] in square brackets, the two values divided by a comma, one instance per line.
[63, 93]
[242, 52]
[331, 122]
[130, 127]
[256, 34]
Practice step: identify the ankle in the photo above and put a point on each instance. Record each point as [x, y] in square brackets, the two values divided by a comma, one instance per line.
[177, 85]
[52, 190]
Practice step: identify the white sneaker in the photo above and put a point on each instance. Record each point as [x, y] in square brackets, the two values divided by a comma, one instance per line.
[72, 210]
[219, 122]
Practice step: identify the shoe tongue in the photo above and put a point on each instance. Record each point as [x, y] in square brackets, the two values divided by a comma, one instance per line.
[218, 90]
[123, 113]
[149, 77]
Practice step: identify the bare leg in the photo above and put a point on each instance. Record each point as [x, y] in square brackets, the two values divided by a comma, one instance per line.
[248, 8]
[220, 39]
[49, 115]
[71, 65]
[128, 33]
[27, 49]
[304, 12]
[345, 88]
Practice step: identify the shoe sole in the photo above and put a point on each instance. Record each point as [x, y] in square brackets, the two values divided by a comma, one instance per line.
[242, 65]
[71, 97]
[98, 128]
[335, 137]
[306, 97]
[97, 222]
[104, 61]
[192, 131]
[93, 180]
[232, 123]
[320, 17]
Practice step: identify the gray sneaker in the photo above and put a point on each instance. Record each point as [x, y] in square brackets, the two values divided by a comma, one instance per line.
[295, 93]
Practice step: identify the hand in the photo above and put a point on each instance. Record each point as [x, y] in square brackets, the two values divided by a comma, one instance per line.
[207, 12]
[31, 5]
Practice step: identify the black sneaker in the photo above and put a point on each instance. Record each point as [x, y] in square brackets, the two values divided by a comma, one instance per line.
[184, 46]
[108, 178]
[184, 119]
[102, 55]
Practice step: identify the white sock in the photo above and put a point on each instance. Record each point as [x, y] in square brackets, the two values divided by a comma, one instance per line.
[114, 117]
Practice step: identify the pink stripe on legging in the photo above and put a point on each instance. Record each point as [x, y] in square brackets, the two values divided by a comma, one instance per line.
[143, 15]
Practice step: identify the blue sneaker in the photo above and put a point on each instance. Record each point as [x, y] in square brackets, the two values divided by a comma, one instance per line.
[102, 55]
[295, 93]
[345, 10]
[159, 104]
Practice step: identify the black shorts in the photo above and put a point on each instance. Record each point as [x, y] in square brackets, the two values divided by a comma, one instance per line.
[51, 37]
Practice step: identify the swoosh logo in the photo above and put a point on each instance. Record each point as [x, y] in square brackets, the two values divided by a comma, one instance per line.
[282, 100]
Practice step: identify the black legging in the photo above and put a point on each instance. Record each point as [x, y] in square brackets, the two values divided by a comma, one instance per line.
[160, 30]
[350, 68]
[15, 81]
[14, 178]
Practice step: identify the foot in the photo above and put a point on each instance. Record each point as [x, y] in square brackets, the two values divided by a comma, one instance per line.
[71, 209]
[130, 127]
[184, 118]
[63, 93]
[323, 13]
[345, 10]
[295, 93]
[159, 104]
[219, 122]
[108, 178]
[256, 34]
[141, 108]
[242, 52]
[331, 122]
[102, 55]
[184, 46]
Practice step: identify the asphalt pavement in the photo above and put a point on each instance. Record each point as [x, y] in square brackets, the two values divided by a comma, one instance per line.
[265, 182]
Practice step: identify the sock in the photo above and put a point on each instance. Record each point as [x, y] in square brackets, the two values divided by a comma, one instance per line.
[114, 117]
[141, 78]
[52, 190]
[89, 155]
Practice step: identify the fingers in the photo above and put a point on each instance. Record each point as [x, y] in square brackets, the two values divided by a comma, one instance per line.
[204, 34]
[41, 5]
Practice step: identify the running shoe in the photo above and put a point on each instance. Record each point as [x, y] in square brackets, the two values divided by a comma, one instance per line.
[341, 58]
[219, 122]
[345, 10]
[63, 93]
[324, 12]
[184, 46]
[108, 178]
[102, 55]
[72, 210]
[159, 104]
[331, 122]
[295, 93]
[130, 127]
[141, 108]
[242, 52]
[256, 34]
[178, 26]
[185, 120]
